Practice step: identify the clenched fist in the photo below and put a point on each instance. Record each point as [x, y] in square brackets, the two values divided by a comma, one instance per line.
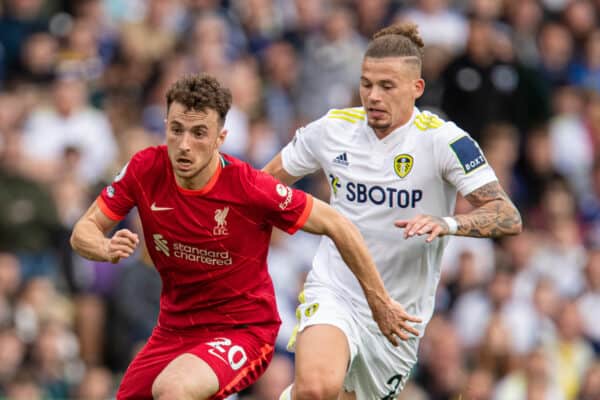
[121, 245]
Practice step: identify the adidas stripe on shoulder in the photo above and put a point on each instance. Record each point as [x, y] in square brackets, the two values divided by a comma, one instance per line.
[352, 115]
[426, 120]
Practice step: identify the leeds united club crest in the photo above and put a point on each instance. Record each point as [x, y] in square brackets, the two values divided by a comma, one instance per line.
[403, 163]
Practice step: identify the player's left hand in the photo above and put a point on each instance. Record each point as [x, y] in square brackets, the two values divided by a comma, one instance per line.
[394, 322]
[423, 225]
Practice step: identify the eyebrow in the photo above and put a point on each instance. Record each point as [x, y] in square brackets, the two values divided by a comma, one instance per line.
[193, 127]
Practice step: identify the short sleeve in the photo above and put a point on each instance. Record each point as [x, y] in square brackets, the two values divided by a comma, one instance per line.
[118, 198]
[299, 156]
[283, 207]
[461, 160]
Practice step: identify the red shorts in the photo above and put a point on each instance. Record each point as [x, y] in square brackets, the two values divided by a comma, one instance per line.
[237, 356]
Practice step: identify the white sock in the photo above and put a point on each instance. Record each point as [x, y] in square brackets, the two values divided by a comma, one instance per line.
[287, 393]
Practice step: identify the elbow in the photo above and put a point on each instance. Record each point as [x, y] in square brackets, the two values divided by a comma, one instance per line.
[517, 227]
[73, 239]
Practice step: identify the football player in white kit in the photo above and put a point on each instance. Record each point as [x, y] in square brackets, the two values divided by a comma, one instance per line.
[394, 171]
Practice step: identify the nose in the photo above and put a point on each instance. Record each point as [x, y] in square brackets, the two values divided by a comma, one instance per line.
[374, 95]
[184, 143]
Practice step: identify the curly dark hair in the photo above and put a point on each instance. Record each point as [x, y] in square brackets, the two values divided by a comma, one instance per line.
[199, 92]
[398, 40]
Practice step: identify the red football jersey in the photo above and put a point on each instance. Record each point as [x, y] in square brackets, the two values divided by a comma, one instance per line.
[209, 245]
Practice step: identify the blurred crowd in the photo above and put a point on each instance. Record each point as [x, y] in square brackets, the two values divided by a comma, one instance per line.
[82, 87]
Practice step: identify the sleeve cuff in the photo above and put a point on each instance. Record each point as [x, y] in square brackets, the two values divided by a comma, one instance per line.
[107, 211]
[303, 217]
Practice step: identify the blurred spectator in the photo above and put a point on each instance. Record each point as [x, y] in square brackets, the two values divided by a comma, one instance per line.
[439, 25]
[39, 58]
[150, 39]
[590, 388]
[475, 309]
[244, 83]
[589, 303]
[536, 170]
[24, 387]
[525, 17]
[555, 44]
[532, 381]
[134, 308]
[373, 14]
[479, 87]
[20, 19]
[581, 18]
[568, 135]
[10, 282]
[29, 217]
[212, 46]
[435, 61]
[310, 15]
[54, 349]
[96, 384]
[586, 72]
[81, 52]
[12, 356]
[281, 86]
[262, 22]
[441, 365]
[331, 67]
[569, 354]
[479, 385]
[500, 144]
[70, 124]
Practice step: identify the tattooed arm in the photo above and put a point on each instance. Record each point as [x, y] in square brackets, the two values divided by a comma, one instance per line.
[494, 216]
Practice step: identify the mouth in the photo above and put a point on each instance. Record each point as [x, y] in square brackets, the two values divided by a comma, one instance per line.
[183, 163]
[376, 113]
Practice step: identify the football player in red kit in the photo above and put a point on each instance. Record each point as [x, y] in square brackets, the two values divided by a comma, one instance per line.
[207, 220]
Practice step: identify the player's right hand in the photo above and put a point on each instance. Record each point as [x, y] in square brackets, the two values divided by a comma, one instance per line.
[121, 245]
[394, 322]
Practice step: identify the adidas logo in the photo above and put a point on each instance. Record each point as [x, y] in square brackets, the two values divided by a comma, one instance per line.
[342, 159]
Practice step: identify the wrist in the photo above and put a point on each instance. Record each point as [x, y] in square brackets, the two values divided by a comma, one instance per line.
[452, 225]
[376, 299]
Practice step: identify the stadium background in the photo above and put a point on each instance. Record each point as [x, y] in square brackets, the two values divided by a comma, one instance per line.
[81, 89]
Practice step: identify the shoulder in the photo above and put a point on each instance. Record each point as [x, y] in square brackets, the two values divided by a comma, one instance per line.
[237, 171]
[336, 122]
[345, 116]
[149, 160]
[338, 119]
[438, 129]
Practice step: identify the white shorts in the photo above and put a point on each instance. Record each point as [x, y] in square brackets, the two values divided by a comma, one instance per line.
[377, 369]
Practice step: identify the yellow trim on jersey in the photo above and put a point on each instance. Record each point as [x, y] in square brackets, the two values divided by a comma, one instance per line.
[428, 121]
[347, 114]
[351, 112]
[353, 121]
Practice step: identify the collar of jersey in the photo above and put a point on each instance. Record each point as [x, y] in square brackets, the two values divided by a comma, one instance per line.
[209, 185]
[396, 133]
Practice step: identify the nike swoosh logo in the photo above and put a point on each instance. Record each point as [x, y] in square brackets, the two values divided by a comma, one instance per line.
[153, 207]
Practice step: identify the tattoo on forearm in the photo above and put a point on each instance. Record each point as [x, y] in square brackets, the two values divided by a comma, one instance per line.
[494, 215]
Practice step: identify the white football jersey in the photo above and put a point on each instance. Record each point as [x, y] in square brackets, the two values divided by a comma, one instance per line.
[417, 169]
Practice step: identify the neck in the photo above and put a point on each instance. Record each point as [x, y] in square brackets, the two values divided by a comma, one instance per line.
[200, 179]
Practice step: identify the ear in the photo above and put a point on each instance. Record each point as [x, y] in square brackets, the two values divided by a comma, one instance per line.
[221, 136]
[419, 87]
